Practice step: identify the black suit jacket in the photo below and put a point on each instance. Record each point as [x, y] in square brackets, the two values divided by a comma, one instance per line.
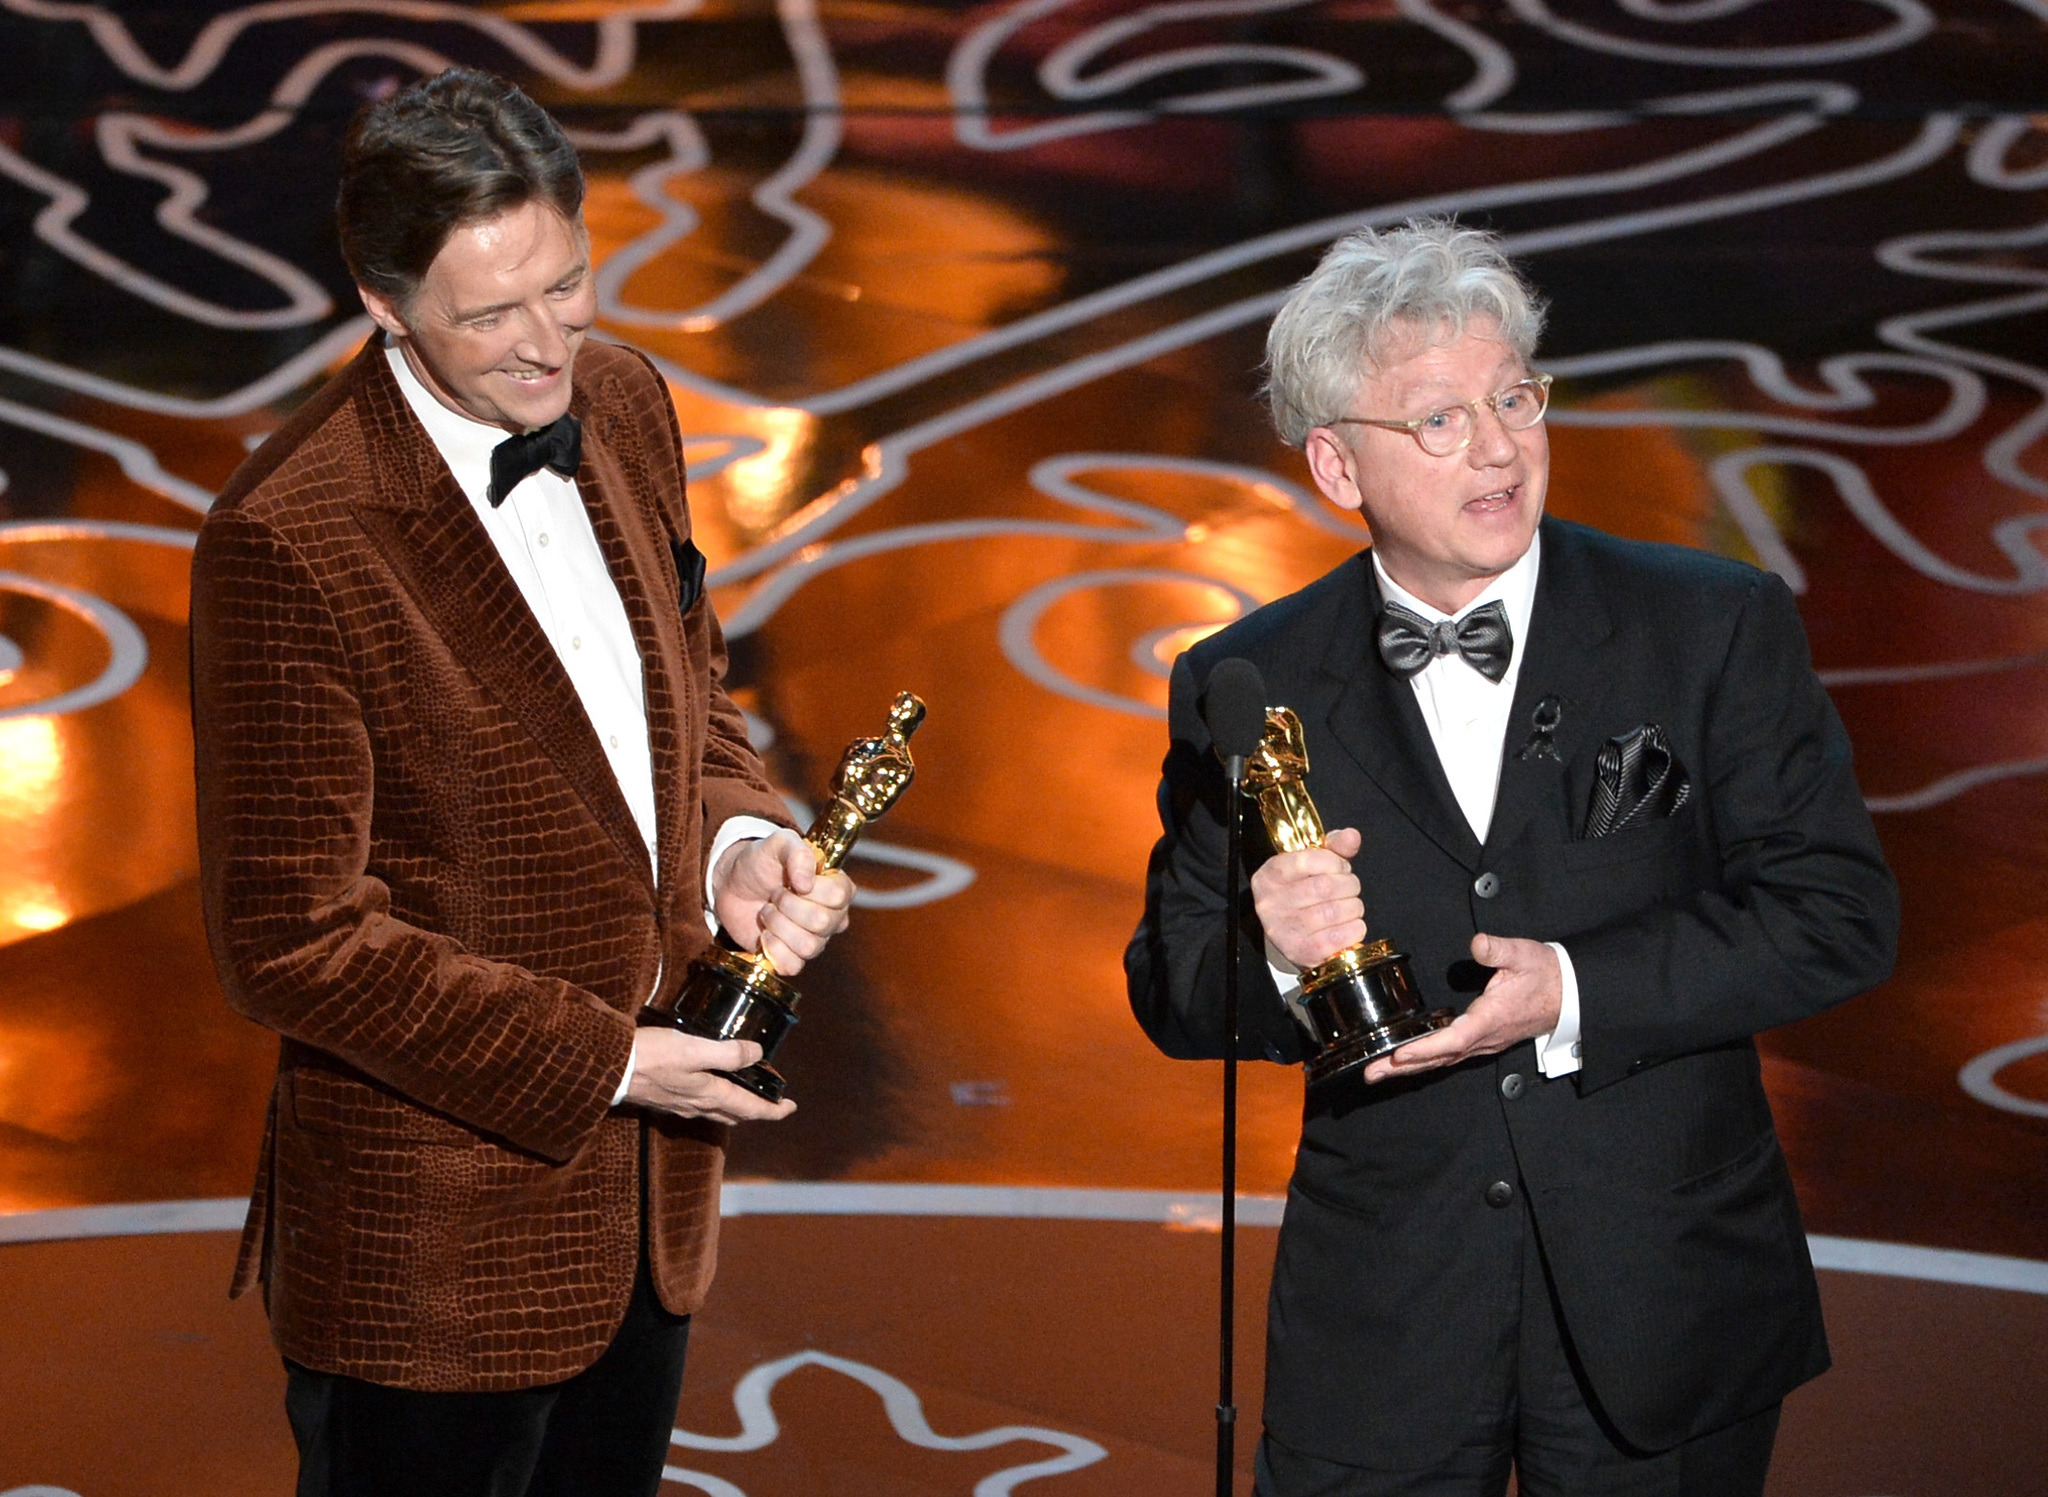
[1653, 1176]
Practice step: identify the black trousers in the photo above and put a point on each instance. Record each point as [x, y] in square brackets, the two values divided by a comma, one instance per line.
[1535, 1416]
[602, 1433]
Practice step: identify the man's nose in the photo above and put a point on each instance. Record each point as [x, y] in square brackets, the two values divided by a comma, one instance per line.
[1493, 445]
[544, 343]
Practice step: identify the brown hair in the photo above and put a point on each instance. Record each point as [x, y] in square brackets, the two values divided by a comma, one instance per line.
[449, 150]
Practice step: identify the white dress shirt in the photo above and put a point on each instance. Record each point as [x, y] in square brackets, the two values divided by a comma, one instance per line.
[543, 535]
[1467, 718]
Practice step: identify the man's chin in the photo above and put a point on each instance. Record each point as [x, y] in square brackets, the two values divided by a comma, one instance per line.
[529, 415]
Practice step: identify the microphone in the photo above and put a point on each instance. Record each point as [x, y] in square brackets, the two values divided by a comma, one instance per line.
[1234, 708]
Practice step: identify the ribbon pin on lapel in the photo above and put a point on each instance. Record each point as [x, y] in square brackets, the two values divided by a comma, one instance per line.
[1544, 721]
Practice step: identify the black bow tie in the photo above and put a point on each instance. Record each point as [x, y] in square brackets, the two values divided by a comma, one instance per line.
[558, 445]
[1408, 642]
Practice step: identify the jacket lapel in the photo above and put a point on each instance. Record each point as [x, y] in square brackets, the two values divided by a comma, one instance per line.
[426, 530]
[1569, 661]
[1374, 718]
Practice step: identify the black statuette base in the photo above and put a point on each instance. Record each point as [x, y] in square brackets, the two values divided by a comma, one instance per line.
[727, 996]
[1356, 1016]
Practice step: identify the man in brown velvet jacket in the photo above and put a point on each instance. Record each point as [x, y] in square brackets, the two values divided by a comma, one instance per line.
[470, 795]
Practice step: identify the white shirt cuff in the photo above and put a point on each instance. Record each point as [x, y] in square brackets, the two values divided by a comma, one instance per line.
[626, 1081]
[1557, 1053]
[735, 829]
[1287, 978]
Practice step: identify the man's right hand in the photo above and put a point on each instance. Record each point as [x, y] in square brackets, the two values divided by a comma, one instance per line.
[672, 1072]
[1309, 901]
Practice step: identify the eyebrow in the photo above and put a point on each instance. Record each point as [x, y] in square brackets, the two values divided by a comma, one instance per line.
[1425, 387]
[471, 314]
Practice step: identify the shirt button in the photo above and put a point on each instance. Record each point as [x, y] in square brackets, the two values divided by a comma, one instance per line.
[1486, 885]
[575, 641]
[543, 537]
[1500, 1194]
[1512, 1085]
[1578, 1050]
[615, 740]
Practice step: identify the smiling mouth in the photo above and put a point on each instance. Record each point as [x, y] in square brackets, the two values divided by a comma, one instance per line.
[1498, 499]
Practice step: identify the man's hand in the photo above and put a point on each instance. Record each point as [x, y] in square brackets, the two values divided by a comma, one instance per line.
[1522, 1000]
[1308, 901]
[772, 899]
[672, 1072]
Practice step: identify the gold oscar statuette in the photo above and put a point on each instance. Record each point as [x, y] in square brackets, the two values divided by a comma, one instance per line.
[738, 995]
[1362, 1002]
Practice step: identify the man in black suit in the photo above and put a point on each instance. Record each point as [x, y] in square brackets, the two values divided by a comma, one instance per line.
[1557, 1236]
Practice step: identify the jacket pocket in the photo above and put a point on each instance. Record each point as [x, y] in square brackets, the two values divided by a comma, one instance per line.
[1747, 1161]
[1626, 847]
[333, 1102]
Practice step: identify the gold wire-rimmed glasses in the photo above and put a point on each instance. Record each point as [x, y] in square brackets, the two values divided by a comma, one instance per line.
[1448, 430]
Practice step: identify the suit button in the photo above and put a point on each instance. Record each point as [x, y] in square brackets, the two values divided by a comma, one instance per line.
[1486, 885]
[1512, 1085]
[1499, 1194]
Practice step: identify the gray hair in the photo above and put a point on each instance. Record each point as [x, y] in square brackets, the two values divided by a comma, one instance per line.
[1429, 275]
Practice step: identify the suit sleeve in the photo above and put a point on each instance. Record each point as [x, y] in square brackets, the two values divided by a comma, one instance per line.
[1173, 967]
[1805, 913]
[302, 933]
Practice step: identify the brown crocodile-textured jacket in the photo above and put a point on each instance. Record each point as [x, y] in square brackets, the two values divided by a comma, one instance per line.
[419, 870]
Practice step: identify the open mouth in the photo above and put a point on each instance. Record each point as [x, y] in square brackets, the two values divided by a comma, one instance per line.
[1499, 499]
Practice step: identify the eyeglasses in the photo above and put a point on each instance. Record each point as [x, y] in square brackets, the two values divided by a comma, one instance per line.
[1448, 430]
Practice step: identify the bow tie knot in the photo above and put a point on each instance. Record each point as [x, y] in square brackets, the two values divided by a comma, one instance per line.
[1408, 642]
[558, 445]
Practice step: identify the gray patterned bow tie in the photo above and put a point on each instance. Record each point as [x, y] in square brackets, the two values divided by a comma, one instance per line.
[1408, 642]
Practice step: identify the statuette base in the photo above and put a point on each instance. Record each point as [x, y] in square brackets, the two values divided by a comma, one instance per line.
[729, 995]
[1360, 1005]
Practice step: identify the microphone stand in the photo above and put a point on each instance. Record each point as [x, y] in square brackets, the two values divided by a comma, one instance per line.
[1233, 867]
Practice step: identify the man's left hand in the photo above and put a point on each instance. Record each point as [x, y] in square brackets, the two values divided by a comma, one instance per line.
[1522, 1000]
[772, 898]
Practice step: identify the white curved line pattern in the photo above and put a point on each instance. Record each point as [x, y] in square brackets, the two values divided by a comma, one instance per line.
[1017, 1202]
[752, 1400]
[886, 461]
[1823, 100]
[30, 531]
[2014, 535]
[1911, 21]
[1020, 625]
[1980, 1077]
[809, 231]
[308, 364]
[67, 201]
[617, 31]
[1841, 373]
[128, 651]
[1063, 74]
[1948, 787]
[1992, 147]
[119, 133]
[1493, 65]
[943, 876]
[1939, 670]
[136, 461]
[727, 448]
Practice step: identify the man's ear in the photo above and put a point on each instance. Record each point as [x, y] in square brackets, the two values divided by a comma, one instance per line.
[383, 311]
[1330, 464]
